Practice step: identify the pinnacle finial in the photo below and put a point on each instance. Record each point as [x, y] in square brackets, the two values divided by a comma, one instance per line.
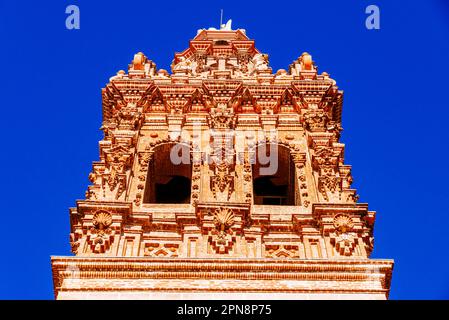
[227, 26]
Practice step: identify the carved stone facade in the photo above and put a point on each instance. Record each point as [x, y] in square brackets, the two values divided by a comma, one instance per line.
[183, 203]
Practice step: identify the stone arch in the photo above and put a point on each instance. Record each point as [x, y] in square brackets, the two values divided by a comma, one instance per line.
[169, 172]
[278, 184]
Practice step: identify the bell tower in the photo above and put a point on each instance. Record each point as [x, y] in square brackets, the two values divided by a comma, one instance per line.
[221, 179]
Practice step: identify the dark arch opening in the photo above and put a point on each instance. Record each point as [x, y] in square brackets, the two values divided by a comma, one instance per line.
[168, 182]
[221, 43]
[175, 190]
[278, 187]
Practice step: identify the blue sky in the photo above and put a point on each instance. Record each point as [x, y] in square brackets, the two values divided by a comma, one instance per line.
[394, 114]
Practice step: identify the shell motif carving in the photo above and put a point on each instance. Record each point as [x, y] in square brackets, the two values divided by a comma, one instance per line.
[343, 223]
[223, 219]
[101, 221]
[221, 238]
[343, 240]
[101, 235]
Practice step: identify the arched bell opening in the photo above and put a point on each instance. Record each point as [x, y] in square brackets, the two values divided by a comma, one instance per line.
[274, 177]
[169, 178]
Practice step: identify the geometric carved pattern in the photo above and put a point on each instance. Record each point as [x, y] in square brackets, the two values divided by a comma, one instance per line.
[100, 235]
[161, 250]
[343, 239]
[221, 237]
[281, 251]
[344, 243]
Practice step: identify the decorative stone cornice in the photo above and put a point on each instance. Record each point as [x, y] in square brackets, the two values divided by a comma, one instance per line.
[241, 275]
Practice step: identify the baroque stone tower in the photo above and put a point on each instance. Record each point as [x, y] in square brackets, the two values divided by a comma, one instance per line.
[221, 180]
